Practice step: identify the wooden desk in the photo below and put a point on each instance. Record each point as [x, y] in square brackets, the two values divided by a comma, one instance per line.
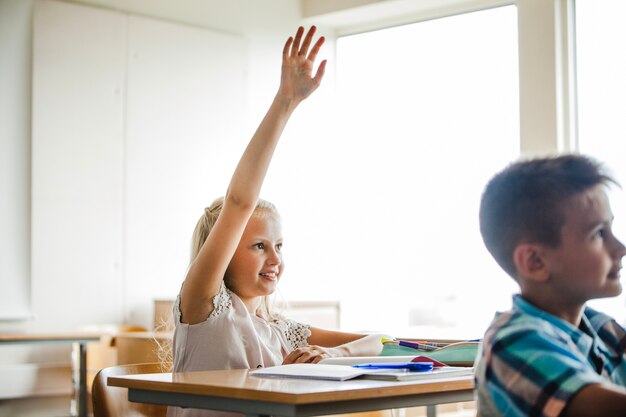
[234, 390]
[79, 339]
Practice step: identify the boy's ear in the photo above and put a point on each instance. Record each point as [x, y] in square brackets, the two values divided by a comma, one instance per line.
[529, 261]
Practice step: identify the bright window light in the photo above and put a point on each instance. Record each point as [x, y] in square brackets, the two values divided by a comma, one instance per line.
[425, 114]
[601, 73]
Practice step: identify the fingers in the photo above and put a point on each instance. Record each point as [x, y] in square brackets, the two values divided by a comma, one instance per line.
[316, 48]
[305, 356]
[311, 354]
[307, 41]
[318, 358]
[286, 47]
[320, 73]
[296, 42]
[293, 48]
[294, 356]
[302, 355]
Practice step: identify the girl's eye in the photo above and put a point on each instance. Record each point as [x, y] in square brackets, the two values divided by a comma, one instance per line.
[601, 233]
[259, 245]
[279, 247]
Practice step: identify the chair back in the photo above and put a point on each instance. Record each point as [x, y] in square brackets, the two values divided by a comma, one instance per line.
[113, 401]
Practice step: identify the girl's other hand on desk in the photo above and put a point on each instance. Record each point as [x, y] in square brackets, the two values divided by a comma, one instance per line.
[311, 354]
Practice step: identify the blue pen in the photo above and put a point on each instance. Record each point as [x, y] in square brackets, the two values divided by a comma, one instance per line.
[411, 366]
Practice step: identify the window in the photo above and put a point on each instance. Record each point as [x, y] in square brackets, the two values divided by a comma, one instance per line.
[426, 114]
[601, 73]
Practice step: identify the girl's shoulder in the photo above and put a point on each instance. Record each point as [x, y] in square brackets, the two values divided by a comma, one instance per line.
[222, 302]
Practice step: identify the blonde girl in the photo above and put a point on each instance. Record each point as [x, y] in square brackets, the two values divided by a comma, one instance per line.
[220, 315]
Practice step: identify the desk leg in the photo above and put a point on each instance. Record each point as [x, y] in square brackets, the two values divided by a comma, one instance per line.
[431, 411]
[79, 377]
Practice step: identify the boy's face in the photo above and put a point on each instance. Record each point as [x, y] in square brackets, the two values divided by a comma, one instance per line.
[587, 263]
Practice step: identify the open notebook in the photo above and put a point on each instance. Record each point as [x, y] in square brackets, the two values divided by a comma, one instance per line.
[345, 372]
[311, 371]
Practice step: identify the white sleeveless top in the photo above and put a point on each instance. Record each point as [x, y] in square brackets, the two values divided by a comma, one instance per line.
[231, 338]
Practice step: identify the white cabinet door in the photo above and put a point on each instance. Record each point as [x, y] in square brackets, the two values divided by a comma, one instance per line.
[136, 125]
[77, 163]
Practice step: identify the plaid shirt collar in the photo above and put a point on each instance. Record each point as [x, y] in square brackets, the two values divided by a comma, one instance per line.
[583, 336]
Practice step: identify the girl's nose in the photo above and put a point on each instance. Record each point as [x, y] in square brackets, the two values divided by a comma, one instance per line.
[274, 258]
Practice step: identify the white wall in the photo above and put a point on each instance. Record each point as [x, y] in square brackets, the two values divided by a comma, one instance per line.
[77, 164]
[265, 24]
[15, 63]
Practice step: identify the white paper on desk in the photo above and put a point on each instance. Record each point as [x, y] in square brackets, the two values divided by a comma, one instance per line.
[312, 371]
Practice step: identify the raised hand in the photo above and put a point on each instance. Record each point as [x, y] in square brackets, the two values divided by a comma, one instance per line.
[297, 81]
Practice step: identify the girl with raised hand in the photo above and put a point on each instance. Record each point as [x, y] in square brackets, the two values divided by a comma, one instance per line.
[222, 317]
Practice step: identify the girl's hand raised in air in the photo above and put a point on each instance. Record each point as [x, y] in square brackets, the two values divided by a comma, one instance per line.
[297, 82]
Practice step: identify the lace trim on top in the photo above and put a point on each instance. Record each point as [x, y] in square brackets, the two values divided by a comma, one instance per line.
[222, 301]
[297, 333]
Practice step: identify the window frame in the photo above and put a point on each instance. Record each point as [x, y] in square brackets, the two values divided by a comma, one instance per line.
[547, 71]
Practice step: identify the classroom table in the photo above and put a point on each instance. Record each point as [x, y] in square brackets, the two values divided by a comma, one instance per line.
[79, 340]
[235, 390]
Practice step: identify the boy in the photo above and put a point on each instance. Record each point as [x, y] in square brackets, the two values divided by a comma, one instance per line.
[547, 222]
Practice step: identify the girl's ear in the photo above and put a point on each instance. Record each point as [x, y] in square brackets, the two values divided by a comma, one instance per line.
[530, 262]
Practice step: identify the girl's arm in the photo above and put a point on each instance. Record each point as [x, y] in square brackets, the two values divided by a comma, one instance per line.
[329, 344]
[207, 270]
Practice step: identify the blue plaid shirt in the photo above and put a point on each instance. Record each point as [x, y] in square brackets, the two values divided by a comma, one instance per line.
[532, 363]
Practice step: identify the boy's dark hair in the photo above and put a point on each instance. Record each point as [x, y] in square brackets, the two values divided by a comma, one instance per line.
[524, 202]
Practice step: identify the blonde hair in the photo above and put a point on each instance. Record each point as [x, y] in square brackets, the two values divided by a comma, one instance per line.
[205, 225]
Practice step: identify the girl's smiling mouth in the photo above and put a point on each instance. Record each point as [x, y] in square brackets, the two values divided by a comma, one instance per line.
[272, 276]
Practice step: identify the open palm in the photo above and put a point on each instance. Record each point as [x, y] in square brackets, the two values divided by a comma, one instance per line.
[297, 81]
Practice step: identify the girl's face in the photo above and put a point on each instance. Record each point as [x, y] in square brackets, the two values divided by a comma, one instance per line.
[257, 263]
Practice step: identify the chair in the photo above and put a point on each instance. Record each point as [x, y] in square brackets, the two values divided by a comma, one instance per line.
[104, 353]
[113, 401]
